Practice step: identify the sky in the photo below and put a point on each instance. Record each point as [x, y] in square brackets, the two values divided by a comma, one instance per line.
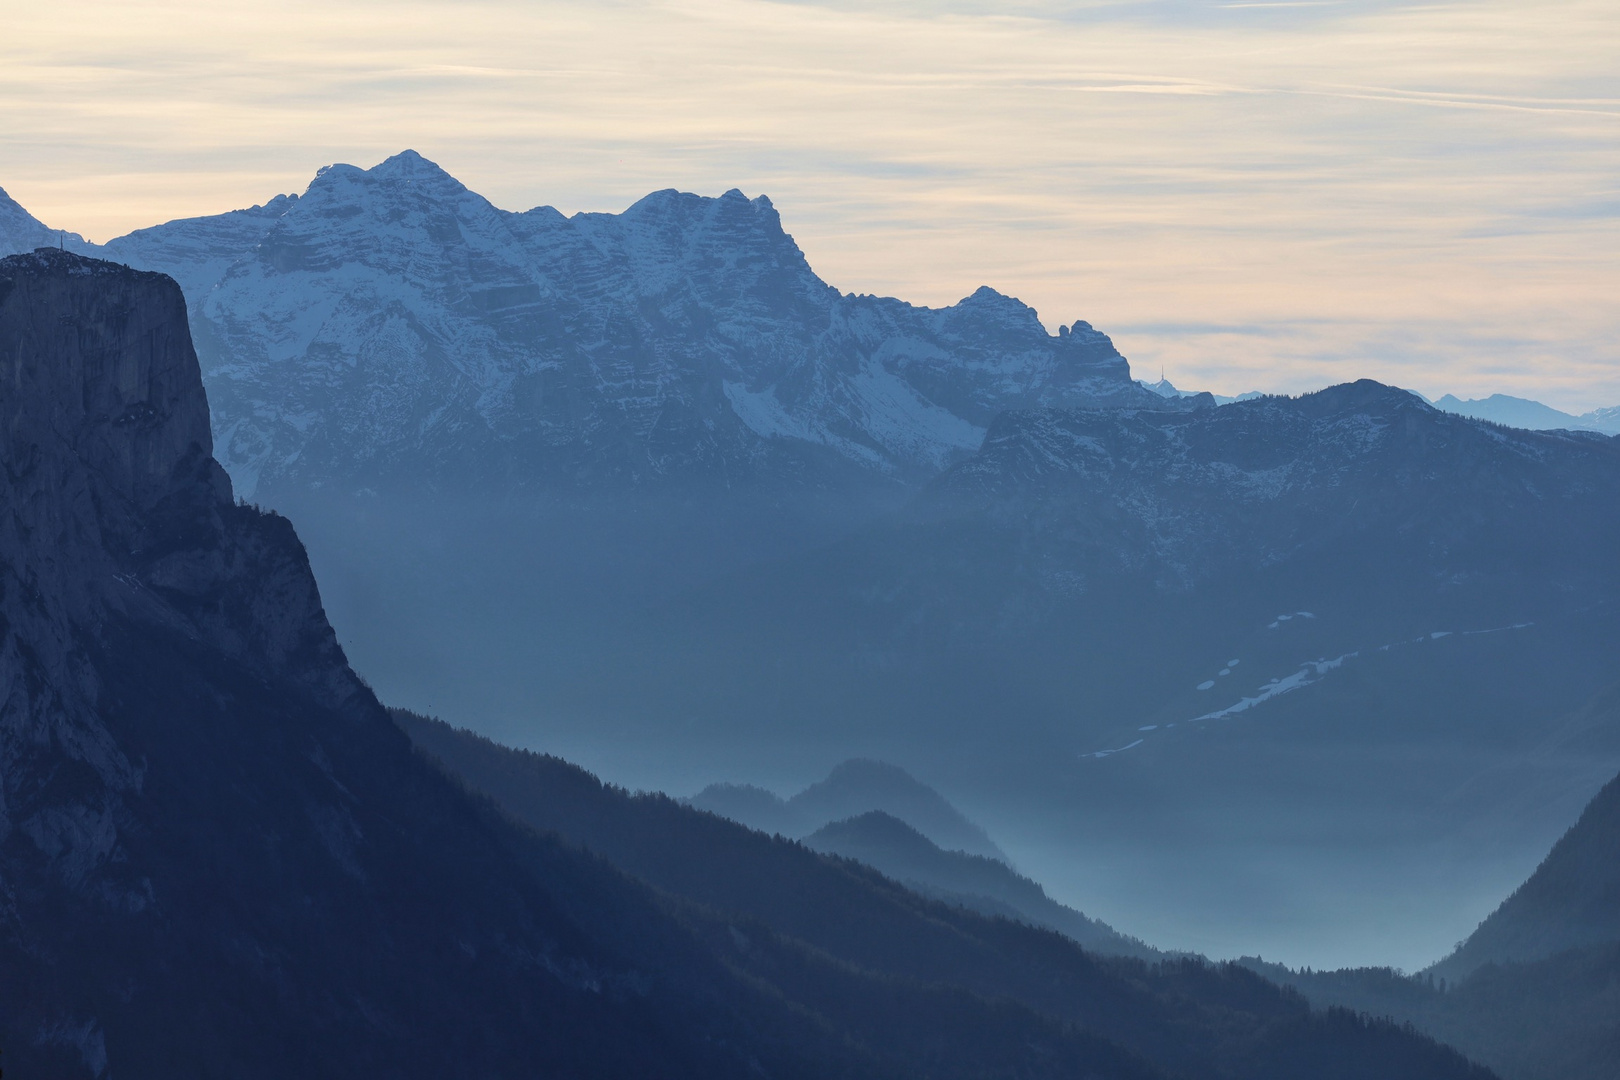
[1245, 195]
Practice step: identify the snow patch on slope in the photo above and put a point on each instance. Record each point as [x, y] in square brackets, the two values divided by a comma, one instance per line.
[1308, 674]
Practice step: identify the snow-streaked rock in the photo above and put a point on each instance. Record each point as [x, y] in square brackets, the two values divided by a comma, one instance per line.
[389, 324]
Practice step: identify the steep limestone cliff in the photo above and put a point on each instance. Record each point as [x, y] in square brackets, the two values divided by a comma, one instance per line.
[113, 503]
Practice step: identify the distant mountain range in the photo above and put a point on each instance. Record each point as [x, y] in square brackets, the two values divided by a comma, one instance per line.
[389, 326]
[643, 489]
[1532, 415]
[1498, 409]
[1306, 488]
[852, 788]
[1166, 389]
[877, 814]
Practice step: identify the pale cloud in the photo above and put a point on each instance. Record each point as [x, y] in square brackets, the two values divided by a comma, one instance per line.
[1272, 196]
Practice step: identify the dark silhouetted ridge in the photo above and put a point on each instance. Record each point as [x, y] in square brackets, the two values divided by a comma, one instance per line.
[1185, 1016]
[1571, 901]
[981, 884]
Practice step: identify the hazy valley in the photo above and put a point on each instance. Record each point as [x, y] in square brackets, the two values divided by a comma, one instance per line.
[990, 688]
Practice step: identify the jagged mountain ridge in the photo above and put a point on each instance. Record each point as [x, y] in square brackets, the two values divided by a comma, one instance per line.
[389, 325]
[521, 423]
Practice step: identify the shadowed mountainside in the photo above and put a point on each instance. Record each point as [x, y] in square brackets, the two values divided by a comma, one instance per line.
[1535, 991]
[1571, 901]
[975, 882]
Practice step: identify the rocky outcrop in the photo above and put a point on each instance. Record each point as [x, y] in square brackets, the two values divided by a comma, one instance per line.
[112, 502]
[104, 422]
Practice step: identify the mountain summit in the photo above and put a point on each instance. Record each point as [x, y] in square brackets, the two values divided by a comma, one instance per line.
[391, 326]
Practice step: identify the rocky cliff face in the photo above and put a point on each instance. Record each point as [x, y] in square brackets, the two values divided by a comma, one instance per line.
[390, 324]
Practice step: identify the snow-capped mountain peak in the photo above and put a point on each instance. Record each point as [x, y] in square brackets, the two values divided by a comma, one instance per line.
[390, 322]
